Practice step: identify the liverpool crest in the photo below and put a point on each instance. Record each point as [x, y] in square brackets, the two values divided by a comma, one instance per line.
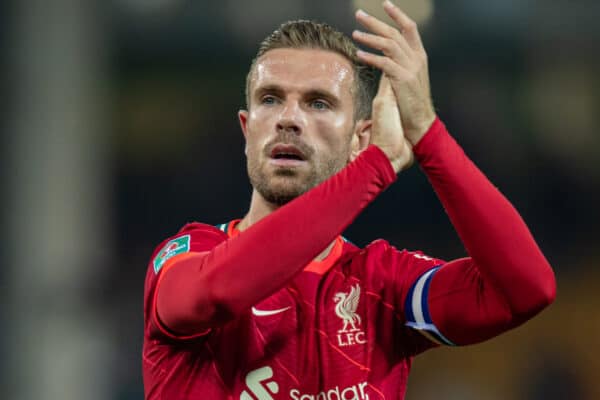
[345, 308]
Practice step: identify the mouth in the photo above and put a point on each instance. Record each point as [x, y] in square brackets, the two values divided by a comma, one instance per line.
[287, 155]
[287, 152]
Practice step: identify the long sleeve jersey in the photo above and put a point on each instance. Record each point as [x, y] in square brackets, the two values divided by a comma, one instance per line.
[251, 315]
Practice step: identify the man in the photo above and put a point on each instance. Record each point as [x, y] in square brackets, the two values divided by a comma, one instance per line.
[277, 305]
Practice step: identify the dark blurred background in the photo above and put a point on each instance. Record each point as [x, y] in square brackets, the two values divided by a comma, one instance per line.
[119, 125]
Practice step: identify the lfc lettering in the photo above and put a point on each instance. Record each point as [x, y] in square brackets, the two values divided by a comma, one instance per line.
[350, 338]
[345, 308]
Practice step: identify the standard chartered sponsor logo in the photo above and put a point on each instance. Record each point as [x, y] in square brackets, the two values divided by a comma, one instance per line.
[354, 392]
[260, 387]
[254, 382]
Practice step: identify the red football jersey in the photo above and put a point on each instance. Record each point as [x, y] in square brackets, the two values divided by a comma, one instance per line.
[337, 331]
[267, 326]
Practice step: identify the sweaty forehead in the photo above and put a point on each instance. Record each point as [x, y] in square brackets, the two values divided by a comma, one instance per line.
[304, 69]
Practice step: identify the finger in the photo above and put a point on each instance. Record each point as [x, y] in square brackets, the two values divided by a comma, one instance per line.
[387, 46]
[383, 63]
[408, 27]
[380, 28]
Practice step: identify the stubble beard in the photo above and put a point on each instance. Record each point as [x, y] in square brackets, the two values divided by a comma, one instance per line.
[285, 184]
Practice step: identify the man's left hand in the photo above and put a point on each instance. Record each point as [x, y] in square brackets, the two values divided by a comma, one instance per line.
[404, 61]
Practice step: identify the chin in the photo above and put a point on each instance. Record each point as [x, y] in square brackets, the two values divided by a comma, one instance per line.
[279, 199]
[282, 185]
[281, 194]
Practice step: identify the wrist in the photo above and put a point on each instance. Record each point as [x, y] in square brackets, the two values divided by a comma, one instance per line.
[379, 158]
[433, 143]
[416, 133]
[399, 159]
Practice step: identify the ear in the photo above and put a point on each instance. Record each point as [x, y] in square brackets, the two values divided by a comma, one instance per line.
[360, 138]
[243, 118]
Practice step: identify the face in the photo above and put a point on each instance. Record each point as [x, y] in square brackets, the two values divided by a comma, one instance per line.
[300, 126]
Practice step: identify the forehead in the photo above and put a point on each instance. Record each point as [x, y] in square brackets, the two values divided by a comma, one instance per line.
[304, 69]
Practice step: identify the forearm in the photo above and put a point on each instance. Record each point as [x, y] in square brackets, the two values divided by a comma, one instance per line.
[241, 271]
[490, 228]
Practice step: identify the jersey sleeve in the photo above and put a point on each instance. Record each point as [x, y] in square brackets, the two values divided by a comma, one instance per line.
[506, 279]
[410, 279]
[454, 304]
[193, 240]
[417, 310]
[219, 279]
[444, 302]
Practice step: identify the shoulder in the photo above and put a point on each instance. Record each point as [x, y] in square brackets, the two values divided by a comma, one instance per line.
[198, 232]
[192, 237]
[384, 258]
[382, 250]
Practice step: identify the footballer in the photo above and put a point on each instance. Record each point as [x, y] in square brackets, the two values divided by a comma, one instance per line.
[276, 304]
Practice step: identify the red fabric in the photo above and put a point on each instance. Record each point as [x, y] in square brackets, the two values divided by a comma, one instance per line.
[216, 286]
[202, 239]
[305, 349]
[507, 280]
[303, 343]
[316, 266]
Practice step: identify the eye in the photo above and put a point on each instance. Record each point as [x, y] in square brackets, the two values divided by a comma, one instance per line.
[319, 105]
[268, 100]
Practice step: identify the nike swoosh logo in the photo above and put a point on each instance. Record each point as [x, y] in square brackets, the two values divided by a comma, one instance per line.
[264, 313]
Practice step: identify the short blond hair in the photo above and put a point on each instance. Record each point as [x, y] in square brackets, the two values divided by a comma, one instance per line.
[303, 34]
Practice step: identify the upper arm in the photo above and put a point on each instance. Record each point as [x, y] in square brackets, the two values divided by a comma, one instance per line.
[401, 278]
[412, 282]
[447, 303]
[167, 304]
[463, 306]
[454, 305]
[179, 290]
[417, 310]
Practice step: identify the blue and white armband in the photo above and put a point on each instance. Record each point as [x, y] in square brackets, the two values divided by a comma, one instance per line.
[416, 309]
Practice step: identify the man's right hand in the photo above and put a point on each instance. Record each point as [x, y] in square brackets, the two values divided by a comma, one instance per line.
[387, 132]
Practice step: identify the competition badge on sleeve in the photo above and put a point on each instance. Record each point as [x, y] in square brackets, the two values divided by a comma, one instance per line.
[172, 248]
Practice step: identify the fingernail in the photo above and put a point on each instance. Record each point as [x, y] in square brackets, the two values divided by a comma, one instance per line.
[360, 53]
[357, 32]
[361, 13]
[388, 3]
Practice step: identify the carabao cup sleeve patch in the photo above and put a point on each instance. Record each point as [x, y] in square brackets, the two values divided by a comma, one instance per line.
[172, 248]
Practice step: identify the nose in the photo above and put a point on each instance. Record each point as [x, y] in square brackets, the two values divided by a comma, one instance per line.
[291, 119]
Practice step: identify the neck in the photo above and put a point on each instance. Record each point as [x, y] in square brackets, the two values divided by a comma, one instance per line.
[259, 209]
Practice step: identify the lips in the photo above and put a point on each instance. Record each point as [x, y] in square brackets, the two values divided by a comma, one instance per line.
[287, 152]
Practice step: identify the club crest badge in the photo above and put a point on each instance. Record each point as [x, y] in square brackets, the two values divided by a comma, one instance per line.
[345, 309]
[172, 248]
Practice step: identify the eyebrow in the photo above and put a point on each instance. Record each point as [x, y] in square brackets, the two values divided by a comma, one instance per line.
[311, 94]
[323, 94]
[268, 89]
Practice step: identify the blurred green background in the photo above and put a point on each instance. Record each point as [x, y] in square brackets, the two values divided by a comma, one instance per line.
[119, 125]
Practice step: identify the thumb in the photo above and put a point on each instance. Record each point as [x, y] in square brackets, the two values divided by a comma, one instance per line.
[385, 87]
[385, 109]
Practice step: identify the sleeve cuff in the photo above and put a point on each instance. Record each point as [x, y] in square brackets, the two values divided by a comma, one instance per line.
[378, 159]
[429, 141]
